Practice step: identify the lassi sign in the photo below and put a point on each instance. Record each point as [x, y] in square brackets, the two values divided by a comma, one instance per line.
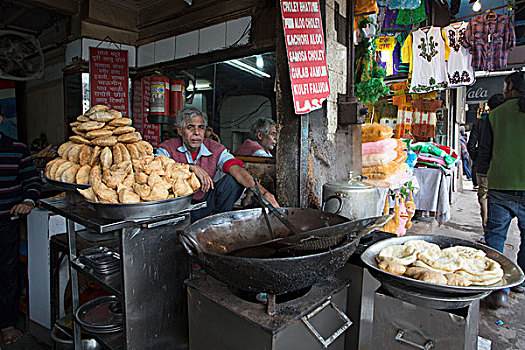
[303, 35]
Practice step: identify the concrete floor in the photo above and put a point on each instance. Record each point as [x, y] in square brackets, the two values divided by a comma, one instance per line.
[465, 223]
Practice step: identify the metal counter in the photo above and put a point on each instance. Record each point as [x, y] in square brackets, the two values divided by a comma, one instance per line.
[151, 282]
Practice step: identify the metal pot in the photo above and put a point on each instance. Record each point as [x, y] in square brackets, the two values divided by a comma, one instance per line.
[351, 198]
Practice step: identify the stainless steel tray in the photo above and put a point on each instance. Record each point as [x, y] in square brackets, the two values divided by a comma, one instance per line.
[143, 210]
[512, 273]
[66, 186]
[438, 301]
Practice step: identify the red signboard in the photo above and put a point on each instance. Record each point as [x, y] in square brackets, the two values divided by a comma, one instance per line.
[141, 95]
[108, 76]
[303, 34]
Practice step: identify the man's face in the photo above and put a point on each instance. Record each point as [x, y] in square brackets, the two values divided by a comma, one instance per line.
[193, 133]
[507, 88]
[270, 140]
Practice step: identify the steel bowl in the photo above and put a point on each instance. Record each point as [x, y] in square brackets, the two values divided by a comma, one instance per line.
[66, 186]
[512, 274]
[142, 210]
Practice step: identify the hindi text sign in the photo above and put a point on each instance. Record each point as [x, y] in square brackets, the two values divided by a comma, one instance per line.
[108, 75]
[305, 47]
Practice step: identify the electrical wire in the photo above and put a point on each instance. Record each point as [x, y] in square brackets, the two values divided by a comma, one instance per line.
[244, 117]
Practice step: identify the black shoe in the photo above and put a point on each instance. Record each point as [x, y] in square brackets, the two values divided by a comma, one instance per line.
[497, 299]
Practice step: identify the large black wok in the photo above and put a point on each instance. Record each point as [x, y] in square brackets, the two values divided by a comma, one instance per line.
[211, 238]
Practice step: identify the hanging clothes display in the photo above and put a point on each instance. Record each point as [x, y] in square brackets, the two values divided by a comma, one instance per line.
[400, 4]
[408, 17]
[389, 23]
[369, 75]
[440, 13]
[459, 64]
[385, 49]
[364, 6]
[428, 51]
[489, 38]
[403, 67]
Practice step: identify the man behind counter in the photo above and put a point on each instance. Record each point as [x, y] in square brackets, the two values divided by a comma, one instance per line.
[205, 158]
[264, 139]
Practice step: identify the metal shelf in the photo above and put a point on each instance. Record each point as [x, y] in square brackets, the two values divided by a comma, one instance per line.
[112, 341]
[142, 241]
[111, 283]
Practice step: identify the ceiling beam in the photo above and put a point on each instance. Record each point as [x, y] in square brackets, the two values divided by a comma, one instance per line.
[67, 7]
[13, 17]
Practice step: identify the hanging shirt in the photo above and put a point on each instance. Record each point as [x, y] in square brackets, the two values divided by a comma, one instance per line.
[385, 48]
[408, 17]
[489, 39]
[459, 64]
[389, 24]
[403, 67]
[400, 4]
[428, 52]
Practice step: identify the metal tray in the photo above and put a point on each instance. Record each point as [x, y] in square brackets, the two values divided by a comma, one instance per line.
[66, 186]
[512, 273]
[438, 301]
[143, 210]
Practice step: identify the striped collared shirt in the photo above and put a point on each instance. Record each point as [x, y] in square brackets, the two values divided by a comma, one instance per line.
[19, 179]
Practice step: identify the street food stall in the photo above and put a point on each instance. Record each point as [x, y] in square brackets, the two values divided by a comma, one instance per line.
[332, 268]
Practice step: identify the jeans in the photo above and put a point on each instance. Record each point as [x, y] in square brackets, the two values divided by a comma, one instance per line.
[483, 190]
[503, 207]
[466, 169]
[473, 173]
[9, 281]
[220, 199]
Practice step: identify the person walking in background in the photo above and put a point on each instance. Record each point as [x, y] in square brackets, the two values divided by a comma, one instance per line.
[503, 147]
[482, 166]
[464, 153]
[19, 190]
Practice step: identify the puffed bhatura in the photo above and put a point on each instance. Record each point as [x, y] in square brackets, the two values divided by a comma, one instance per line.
[455, 266]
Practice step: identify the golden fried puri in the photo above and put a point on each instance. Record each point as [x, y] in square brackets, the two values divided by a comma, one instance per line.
[107, 141]
[120, 122]
[129, 137]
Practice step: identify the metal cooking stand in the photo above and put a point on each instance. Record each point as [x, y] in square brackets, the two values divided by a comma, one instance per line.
[150, 284]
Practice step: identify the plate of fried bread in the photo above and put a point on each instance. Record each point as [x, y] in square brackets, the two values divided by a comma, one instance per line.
[441, 263]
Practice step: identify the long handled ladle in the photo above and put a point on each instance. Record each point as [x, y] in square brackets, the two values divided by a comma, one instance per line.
[266, 204]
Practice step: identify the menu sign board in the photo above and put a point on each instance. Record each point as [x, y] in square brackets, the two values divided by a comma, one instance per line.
[108, 75]
[303, 35]
[141, 97]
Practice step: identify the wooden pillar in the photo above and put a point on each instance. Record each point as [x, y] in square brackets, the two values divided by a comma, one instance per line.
[292, 145]
[287, 157]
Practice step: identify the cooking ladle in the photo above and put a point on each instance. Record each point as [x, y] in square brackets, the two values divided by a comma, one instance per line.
[266, 204]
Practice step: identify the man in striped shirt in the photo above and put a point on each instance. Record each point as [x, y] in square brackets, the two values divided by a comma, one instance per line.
[19, 189]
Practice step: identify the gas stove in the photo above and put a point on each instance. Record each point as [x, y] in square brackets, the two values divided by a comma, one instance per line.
[311, 318]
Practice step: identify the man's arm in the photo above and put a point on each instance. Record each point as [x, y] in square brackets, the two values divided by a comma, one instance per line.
[472, 144]
[30, 184]
[245, 179]
[203, 176]
[485, 148]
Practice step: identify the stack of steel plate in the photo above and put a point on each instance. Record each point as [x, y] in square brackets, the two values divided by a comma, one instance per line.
[102, 260]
